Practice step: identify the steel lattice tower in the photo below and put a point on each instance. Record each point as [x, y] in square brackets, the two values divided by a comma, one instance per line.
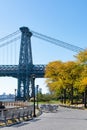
[25, 64]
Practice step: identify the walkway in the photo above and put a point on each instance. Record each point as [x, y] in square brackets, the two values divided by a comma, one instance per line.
[64, 119]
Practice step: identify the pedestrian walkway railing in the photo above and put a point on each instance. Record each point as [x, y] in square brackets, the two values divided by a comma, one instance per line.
[48, 108]
[16, 114]
[17, 103]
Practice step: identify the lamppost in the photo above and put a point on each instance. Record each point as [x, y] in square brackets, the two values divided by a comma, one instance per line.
[37, 95]
[33, 85]
[15, 94]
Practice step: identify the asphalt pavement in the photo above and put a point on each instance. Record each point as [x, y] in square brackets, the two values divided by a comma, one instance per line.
[63, 119]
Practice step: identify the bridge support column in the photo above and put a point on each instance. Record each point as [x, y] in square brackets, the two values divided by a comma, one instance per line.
[25, 64]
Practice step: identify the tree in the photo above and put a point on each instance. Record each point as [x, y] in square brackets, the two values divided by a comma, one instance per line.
[83, 85]
[81, 57]
[60, 77]
[64, 77]
[52, 73]
[70, 77]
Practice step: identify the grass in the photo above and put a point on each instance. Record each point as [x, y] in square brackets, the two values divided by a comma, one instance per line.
[49, 102]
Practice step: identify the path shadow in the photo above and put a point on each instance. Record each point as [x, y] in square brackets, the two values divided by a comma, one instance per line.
[25, 123]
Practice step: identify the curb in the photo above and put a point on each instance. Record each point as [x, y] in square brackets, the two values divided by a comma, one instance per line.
[74, 107]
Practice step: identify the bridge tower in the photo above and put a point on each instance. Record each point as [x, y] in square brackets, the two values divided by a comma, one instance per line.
[25, 64]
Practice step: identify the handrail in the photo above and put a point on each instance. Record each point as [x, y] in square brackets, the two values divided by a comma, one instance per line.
[17, 103]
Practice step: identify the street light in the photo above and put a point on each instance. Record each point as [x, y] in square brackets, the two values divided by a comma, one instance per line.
[15, 94]
[37, 95]
[33, 85]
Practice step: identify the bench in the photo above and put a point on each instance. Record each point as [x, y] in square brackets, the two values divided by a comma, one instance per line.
[16, 114]
[49, 108]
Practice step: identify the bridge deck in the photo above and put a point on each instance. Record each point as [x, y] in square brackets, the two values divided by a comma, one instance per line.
[13, 70]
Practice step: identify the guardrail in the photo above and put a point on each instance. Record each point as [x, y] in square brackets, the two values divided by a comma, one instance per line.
[17, 103]
[16, 114]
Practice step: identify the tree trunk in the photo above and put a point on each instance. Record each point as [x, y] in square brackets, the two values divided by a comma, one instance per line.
[61, 96]
[72, 95]
[83, 98]
[85, 93]
[64, 96]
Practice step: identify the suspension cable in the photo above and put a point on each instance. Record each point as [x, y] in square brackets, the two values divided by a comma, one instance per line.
[43, 37]
[10, 35]
[10, 41]
[57, 42]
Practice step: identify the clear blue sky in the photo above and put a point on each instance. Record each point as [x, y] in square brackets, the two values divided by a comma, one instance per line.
[65, 20]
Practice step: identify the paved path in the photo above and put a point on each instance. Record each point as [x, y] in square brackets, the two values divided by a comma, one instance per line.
[64, 119]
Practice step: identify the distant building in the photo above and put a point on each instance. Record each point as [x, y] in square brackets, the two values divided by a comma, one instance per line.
[7, 97]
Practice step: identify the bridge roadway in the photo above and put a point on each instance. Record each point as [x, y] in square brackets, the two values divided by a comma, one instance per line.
[13, 70]
[64, 119]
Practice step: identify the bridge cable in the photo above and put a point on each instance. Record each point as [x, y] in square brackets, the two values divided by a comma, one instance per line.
[57, 42]
[10, 35]
[10, 41]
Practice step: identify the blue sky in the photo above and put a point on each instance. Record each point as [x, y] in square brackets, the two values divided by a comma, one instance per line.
[65, 20]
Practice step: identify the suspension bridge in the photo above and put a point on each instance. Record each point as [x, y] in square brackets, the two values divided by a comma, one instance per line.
[21, 66]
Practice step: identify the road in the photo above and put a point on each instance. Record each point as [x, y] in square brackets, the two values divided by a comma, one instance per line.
[63, 119]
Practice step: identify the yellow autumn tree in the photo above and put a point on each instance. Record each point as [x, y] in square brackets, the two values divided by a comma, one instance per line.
[81, 57]
[60, 76]
[70, 77]
[83, 84]
[67, 75]
[52, 73]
